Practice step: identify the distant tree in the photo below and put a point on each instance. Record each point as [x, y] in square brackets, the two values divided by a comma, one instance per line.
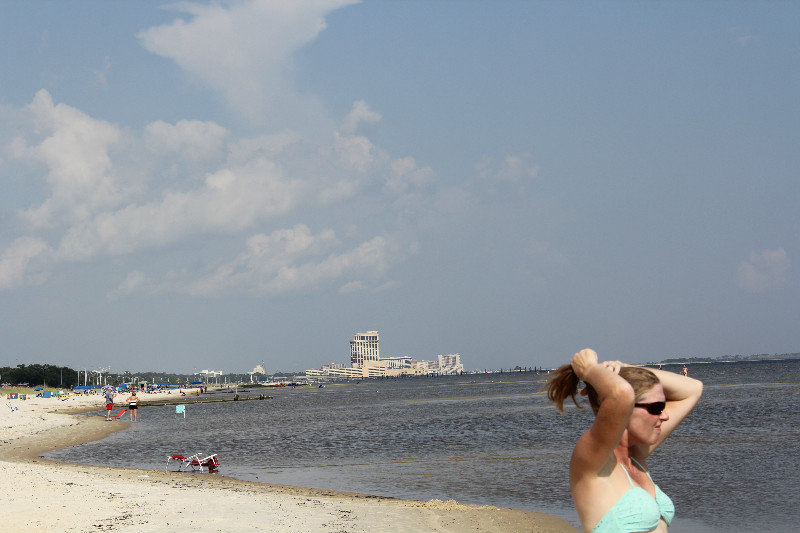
[37, 374]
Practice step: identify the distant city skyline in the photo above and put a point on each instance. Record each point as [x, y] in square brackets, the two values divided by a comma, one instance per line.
[366, 361]
[219, 184]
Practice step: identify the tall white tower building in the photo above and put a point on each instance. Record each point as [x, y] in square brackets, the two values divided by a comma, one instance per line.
[364, 347]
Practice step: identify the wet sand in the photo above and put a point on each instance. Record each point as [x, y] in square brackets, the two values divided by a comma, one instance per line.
[44, 496]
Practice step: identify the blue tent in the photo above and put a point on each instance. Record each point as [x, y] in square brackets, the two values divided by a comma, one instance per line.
[38, 388]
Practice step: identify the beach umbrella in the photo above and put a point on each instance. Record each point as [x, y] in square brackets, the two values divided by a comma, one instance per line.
[38, 388]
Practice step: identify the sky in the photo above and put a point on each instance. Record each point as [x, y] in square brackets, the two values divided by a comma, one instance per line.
[217, 185]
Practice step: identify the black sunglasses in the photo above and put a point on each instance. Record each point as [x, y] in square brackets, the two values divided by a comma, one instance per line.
[654, 408]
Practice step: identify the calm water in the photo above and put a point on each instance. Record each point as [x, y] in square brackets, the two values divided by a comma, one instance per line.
[732, 466]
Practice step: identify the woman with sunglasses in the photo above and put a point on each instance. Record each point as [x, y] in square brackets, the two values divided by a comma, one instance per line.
[635, 410]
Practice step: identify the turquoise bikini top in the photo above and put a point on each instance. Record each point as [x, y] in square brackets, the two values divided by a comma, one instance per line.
[636, 510]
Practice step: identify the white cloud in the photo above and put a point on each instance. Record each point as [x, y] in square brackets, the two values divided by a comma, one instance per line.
[92, 174]
[371, 258]
[134, 282]
[15, 262]
[243, 49]
[294, 259]
[352, 286]
[405, 175]
[764, 271]
[400, 175]
[101, 75]
[514, 169]
[108, 192]
[361, 113]
[356, 152]
[75, 151]
[270, 146]
[230, 200]
[193, 139]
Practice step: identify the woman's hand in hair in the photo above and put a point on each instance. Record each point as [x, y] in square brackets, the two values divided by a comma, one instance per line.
[582, 362]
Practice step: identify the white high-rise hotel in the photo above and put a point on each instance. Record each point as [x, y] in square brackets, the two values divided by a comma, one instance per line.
[365, 361]
[364, 347]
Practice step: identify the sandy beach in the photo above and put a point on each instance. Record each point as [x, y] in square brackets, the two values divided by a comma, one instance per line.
[43, 496]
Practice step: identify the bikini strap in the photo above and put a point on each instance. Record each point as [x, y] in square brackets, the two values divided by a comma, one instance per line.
[643, 468]
[639, 465]
[626, 473]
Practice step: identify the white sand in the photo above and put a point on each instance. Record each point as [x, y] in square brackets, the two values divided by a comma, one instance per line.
[37, 495]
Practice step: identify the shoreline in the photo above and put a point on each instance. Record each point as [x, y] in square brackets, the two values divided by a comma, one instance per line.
[48, 496]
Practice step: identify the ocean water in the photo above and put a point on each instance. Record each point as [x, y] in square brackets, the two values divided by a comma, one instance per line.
[489, 439]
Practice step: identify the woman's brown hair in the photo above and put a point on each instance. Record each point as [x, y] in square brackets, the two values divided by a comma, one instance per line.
[564, 384]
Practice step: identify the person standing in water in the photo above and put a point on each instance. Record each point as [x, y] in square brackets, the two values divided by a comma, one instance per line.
[133, 406]
[636, 409]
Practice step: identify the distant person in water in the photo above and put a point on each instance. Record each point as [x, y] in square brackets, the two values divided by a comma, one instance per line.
[685, 371]
[133, 406]
[635, 409]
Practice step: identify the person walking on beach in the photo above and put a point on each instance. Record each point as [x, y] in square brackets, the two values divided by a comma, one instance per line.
[108, 394]
[133, 405]
[635, 409]
[685, 371]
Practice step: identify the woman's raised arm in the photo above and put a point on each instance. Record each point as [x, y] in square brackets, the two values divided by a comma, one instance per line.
[682, 394]
[616, 405]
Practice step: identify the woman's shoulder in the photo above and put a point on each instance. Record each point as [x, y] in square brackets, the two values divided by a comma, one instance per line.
[587, 453]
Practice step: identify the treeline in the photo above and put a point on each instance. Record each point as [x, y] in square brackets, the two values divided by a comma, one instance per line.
[33, 375]
[756, 357]
[64, 377]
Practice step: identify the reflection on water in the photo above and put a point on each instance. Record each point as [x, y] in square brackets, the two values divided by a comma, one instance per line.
[489, 440]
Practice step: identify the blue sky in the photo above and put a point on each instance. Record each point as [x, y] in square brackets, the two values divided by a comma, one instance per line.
[213, 185]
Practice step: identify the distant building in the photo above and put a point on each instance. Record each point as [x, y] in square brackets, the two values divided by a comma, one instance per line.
[450, 364]
[398, 362]
[424, 367]
[366, 362]
[334, 370]
[209, 374]
[364, 347]
[444, 364]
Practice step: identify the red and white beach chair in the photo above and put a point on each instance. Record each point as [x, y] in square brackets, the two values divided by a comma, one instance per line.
[195, 462]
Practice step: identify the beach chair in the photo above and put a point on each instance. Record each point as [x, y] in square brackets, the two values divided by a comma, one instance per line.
[183, 461]
[195, 462]
[211, 463]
